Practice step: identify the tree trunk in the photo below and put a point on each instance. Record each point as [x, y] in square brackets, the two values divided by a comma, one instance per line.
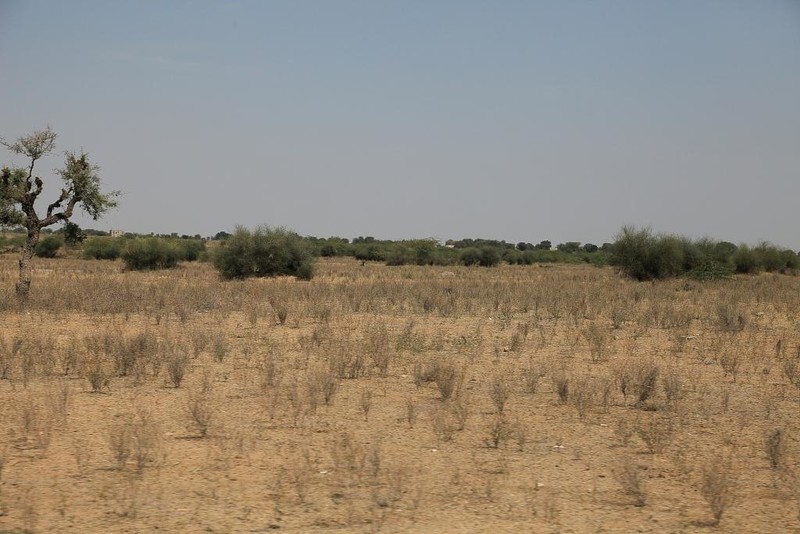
[24, 284]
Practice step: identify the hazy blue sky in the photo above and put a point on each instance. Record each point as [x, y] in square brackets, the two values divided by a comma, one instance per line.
[516, 120]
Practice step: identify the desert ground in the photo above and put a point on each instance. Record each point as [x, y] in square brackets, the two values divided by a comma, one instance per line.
[397, 399]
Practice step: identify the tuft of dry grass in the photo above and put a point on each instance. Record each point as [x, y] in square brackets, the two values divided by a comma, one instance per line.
[657, 433]
[499, 392]
[631, 478]
[200, 412]
[717, 486]
[775, 447]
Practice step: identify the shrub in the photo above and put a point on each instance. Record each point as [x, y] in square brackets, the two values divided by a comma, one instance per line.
[190, 249]
[490, 257]
[48, 247]
[644, 256]
[470, 256]
[709, 270]
[150, 254]
[745, 260]
[12, 243]
[73, 235]
[103, 248]
[369, 252]
[264, 252]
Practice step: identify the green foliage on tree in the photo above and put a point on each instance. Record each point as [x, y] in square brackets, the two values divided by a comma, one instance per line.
[20, 189]
[263, 252]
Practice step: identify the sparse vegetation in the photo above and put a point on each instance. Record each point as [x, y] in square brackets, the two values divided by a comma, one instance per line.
[486, 379]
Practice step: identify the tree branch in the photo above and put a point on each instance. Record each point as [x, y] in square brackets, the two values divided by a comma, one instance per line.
[61, 215]
[57, 204]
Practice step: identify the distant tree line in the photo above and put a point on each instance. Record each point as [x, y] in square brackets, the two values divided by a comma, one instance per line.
[638, 253]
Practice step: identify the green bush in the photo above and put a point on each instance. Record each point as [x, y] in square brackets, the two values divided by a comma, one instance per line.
[103, 248]
[470, 256]
[150, 254]
[709, 270]
[264, 252]
[48, 246]
[369, 252]
[490, 257]
[419, 252]
[643, 256]
[746, 261]
[190, 249]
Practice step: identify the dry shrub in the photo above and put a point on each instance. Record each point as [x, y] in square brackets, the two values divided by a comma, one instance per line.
[176, 366]
[444, 424]
[348, 456]
[530, 378]
[583, 396]
[200, 413]
[219, 346]
[3, 459]
[281, 311]
[791, 367]
[411, 412]
[128, 354]
[561, 385]
[459, 407]
[717, 486]
[424, 372]
[657, 433]
[321, 384]
[348, 363]
[624, 430]
[199, 338]
[775, 447]
[378, 346]
[499, 432]
[730, 318]
[499, 392]
[366, 403]
[58, 399]
[137, 437]
[270, 371]
[597, 337]
[638, 378]
[97, 375]
[730, 361]
[672, 383]
[9, 352]
[631, 478]
[36, 423]
[448, 379]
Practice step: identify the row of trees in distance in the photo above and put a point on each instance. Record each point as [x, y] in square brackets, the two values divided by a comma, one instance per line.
[265, 251]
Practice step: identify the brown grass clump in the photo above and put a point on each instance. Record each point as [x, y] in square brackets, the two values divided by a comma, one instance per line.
[632, 480]
[717, 486]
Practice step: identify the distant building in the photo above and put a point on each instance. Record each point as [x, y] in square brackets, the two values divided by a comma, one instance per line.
[117, 233]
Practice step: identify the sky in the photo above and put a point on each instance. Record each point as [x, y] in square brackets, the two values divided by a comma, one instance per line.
[519, 120]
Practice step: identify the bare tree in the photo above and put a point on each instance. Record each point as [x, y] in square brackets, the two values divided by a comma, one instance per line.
[19, 190]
